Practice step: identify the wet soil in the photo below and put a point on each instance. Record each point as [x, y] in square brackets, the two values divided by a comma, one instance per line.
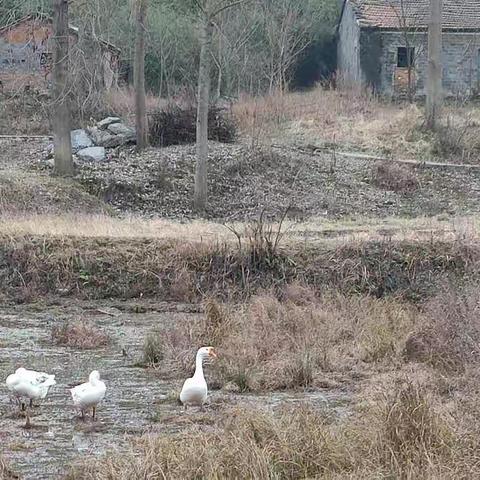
[138, 400]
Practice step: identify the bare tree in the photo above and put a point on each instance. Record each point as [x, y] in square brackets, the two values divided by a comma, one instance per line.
[208, 10]
[289, 28]
[61, 111]
[139, 74]
[434, 76]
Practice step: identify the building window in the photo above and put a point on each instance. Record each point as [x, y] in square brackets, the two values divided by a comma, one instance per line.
[405, 57]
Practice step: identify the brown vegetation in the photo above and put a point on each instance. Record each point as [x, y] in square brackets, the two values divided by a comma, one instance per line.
[176, 125]
[408, 421]
[406, 434]
[5, 472]
[271, 345]
[80, 334]
[395, 177]
[100, 267]
[355, 120]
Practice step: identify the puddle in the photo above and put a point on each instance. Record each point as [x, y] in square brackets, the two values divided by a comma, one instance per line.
[134, 397]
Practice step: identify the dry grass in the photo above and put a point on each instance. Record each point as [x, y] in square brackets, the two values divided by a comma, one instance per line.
[272, 345]
[406, 434]
[121, 102]
[79, 334]
[450, 337]
[21, 193]
[307, 340]
[5, 472]
[358, 121]
[186, 271]
[153, 352]
[317, 230]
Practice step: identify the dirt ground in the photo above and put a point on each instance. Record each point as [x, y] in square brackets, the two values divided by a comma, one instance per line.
[159, 182]
[138, 399]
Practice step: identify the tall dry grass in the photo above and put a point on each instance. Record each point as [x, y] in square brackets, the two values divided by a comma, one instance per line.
[357, 120]
[298, 342]
[300, 339]
[406, 434]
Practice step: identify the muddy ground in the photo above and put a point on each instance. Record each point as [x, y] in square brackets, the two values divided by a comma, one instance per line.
[138, 399]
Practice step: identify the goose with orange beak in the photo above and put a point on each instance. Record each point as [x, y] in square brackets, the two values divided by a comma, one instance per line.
[194, 391]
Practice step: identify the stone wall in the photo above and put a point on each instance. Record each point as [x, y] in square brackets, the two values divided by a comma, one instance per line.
[461, 72]
[348, 50]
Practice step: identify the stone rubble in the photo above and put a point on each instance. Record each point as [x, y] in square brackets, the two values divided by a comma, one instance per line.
[89, 144]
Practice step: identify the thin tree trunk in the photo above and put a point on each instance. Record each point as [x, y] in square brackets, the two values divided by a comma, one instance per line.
[139, 75]
[61, 113]
[434, 76]
[220, 60]
[200, 196]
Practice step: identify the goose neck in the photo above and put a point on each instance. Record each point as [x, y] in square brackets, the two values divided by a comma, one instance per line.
[198, 366]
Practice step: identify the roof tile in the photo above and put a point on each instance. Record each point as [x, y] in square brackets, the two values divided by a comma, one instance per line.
[457, 14]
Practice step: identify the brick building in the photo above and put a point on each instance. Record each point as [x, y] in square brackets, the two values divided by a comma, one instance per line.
[26, 55]
[382, 45]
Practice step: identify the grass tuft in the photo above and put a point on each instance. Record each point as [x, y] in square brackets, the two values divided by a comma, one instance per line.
[79, 334]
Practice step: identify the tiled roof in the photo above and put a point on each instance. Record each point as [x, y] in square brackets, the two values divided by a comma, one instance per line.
[393, 14]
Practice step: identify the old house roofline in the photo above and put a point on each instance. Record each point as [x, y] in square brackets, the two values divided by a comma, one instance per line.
[365, 26]
[385, 15]
[42, 16]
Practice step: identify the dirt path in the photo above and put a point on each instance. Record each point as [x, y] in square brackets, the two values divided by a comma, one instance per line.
[135, 401]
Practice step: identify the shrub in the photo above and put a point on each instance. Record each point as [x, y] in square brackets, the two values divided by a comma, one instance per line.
[153, 348]
[395, 177]
[175, 125]
[80, 334]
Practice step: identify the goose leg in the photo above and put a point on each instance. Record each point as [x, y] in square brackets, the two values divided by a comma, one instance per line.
[31, 403]
[23, 407]
[27, 421]
[94, 409]
[83, 414]
[185, 407]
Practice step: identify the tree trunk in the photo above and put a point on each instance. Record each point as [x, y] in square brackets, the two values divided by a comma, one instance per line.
[434, 76]
[139, 75]
[200, 196]
[61, 113]
[220, 60]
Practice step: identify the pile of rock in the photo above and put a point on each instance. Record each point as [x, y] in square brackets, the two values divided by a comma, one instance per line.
[89, 145]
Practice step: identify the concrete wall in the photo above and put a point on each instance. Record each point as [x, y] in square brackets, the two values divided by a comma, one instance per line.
[461, 72]
[348, 49]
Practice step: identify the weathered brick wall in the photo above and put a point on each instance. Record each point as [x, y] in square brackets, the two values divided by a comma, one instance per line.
[461, 72]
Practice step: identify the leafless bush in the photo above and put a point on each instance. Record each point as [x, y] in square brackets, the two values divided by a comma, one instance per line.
[79, 334]
[394, 177]
[176, 125]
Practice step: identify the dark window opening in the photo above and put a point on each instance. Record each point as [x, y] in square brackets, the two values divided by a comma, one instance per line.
[405, 57]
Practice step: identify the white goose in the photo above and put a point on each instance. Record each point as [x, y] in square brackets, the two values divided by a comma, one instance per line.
[89, 394]
[195, 390]
[31, 385]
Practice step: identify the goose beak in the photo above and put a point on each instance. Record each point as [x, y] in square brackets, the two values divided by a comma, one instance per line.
[211, 353]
